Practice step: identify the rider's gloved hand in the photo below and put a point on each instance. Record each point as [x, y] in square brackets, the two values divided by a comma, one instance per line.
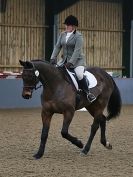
[53, 61]
[68, 65]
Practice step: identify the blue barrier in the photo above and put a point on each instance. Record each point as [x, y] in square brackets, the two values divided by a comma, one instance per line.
[125, 86]
[10, 95]
[11, 90]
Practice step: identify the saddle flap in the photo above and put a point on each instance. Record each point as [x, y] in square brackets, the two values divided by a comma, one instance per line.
[93, 83]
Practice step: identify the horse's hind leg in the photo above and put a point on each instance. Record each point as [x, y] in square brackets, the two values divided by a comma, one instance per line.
[94, 128]
[64, 132]
[99, 120]
[103, 130]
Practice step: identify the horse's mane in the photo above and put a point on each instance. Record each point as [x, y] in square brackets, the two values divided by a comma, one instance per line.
[66, 75]
[40, 60]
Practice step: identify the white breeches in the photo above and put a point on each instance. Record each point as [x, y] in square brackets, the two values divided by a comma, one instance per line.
[79, 70]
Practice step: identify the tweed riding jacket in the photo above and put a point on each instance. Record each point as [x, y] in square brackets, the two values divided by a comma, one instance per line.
[72, 49]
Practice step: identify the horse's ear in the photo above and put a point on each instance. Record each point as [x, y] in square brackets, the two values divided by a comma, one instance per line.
[26, 64]
[29, 64]
[23, 63]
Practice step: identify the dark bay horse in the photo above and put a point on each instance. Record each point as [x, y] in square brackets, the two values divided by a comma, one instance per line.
[59, 96]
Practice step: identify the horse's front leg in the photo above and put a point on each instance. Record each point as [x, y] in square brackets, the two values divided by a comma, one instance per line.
[68, 115]
[46, 119]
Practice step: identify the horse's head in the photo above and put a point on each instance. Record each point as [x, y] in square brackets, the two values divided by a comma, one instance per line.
[30, 78]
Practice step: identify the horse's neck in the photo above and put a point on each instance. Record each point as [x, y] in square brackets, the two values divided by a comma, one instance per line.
[49, 74]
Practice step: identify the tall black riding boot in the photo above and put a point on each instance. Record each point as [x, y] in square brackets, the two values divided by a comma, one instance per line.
[84, 85]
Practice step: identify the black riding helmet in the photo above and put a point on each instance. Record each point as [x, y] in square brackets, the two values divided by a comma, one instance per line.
[71, 20]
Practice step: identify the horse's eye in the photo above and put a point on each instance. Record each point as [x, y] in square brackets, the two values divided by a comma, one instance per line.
[28, 75]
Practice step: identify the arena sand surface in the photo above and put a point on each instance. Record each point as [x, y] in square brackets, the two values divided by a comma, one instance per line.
[20, 131]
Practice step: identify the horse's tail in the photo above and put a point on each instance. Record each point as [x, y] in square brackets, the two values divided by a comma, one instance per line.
[115, 103]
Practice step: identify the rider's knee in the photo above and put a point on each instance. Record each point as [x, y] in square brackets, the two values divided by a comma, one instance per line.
[79, 72]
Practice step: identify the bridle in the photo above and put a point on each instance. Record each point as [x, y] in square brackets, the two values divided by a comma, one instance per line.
[34, 79]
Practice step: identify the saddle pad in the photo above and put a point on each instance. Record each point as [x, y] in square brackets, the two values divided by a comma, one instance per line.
[91, 78]
[73, 79]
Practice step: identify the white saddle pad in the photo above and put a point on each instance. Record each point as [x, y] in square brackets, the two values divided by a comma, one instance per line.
[91, 78]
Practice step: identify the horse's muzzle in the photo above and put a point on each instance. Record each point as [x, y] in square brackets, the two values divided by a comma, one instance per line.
[27, 94]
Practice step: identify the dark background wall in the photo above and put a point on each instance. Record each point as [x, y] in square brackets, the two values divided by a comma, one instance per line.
[127, 17]
[53, 7]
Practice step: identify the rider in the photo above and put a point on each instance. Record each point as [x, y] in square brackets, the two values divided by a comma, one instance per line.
[71, 41]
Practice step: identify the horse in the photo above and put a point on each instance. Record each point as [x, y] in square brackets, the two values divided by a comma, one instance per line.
[59, 96]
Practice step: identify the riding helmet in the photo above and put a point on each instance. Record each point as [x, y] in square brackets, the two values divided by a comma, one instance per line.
[71, 20]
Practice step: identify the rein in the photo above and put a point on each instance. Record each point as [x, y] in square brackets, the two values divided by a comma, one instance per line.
[34, 87]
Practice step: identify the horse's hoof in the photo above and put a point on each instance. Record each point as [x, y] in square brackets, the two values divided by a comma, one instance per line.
[37, 156]
[108, 146]
[83, 152]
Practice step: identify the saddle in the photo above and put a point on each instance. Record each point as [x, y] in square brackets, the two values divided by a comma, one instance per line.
[71, 77]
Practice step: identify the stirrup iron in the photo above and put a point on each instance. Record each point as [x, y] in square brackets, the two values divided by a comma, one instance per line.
[91, 97]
